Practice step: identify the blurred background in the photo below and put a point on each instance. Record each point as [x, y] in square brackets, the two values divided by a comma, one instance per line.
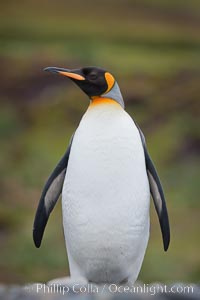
[153, 48]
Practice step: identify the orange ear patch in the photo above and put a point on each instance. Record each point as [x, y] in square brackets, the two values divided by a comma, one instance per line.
[110, 81]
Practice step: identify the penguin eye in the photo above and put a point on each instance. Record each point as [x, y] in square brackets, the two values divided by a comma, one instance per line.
[93, 76]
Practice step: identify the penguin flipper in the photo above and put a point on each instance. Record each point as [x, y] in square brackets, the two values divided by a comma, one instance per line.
[49, 197]
[157, 195]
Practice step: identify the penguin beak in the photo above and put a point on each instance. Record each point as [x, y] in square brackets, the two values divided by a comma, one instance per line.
[73, 74]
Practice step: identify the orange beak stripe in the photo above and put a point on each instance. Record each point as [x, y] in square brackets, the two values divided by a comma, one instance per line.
[72, 75]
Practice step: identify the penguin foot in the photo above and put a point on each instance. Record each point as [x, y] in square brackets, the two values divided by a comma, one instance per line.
[68, 281]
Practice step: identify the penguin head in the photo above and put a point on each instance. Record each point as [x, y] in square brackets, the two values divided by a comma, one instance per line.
[93, 81]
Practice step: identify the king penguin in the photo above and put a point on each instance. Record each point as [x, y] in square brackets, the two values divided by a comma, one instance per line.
[106, 177]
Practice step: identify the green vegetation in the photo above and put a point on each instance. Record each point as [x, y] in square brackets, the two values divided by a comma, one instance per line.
[153, 48]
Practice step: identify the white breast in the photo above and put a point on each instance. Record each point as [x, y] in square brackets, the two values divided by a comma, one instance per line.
[106, 197]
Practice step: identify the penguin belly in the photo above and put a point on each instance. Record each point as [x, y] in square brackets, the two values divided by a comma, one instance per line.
[105, 198]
